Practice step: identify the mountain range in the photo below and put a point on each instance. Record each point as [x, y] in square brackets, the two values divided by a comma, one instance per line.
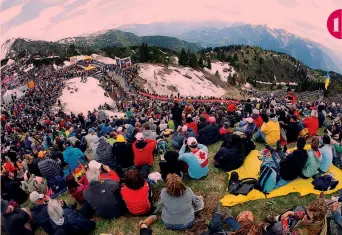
[211, 34]
[189, 36]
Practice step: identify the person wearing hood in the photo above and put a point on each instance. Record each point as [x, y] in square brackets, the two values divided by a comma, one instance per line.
[73, 156]
[143, 150]
[89, 137]
[270, 131]
[49, 168]
[103, 196]
[39, 212]
[67, 219]
[169, 164]
[16, 221]
[148, 133]
[210, 134]
[181, 134]
[129, 135]
[257, 118]
[93, 146]
[291, 166]
[197, 159]
[231, 154]
[312, 123]
[123, 152]
[104, 153]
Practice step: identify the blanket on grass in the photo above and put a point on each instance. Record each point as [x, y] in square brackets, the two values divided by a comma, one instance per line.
[251, 168]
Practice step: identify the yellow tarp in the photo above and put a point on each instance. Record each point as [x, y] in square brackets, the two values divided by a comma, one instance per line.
[89, 67]
[251, 168]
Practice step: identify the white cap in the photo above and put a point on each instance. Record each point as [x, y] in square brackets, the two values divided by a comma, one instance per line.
[192, 142]
[139, 136]
[94, 165]
[34, 196]
[184, 128]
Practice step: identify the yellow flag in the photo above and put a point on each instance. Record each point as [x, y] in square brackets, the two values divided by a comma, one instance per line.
[327, 81]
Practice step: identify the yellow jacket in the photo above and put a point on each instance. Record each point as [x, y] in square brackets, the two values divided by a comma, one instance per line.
[272, 131]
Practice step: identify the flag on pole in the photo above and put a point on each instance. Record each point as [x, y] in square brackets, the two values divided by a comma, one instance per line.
[327, 81]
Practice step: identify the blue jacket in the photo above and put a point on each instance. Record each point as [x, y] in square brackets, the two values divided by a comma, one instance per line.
[72, 156]
[197, 162]
[209, 135]
[42, 219]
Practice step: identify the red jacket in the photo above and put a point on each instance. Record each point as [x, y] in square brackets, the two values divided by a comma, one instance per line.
[9, 167]
[143, 152]
[111, 175]
[193, 126]
[231, 108]
[258, 121]
[312, 124]
[137, 201]
[224, 131]
[77, 194]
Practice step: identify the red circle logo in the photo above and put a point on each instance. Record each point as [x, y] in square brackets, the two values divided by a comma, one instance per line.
[334, 24]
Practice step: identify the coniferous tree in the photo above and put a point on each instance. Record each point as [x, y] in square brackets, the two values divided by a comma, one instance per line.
[183, 58]
[193, 63]
[209, 63]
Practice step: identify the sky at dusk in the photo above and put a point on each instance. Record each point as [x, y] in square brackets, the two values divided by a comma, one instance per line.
[56, 19]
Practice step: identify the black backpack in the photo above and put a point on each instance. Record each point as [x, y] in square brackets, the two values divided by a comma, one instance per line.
[243, 186]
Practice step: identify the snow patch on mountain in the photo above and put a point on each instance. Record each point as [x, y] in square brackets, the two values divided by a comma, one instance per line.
[183, 80]
[6, 47]
[88, 96]
[224, 70]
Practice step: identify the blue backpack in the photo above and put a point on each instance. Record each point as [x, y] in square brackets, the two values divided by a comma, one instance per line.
[269, 176]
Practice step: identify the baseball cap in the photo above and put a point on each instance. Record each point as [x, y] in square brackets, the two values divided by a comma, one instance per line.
[91, 130]
[192, 142]
[94, 164]
[139, 136]
[34, 196]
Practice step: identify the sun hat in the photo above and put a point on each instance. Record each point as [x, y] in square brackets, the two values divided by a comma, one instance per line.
[93, 164]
